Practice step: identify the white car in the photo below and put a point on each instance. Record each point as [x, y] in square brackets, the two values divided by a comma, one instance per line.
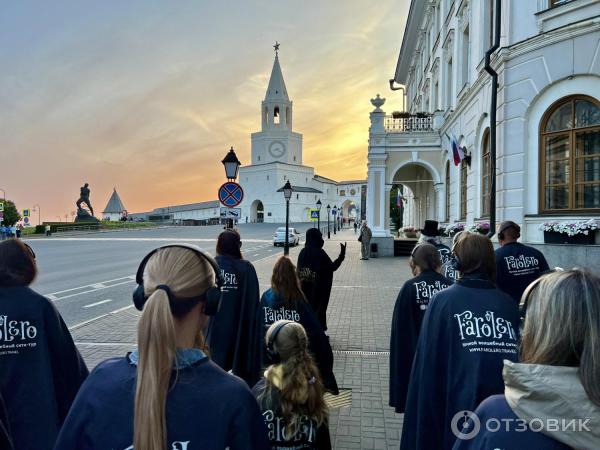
[293, 237]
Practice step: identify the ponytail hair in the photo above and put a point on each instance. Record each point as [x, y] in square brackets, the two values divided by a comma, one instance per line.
[301, 388]
[188, 276]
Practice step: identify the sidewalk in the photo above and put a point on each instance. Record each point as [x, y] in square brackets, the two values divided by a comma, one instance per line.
[359, 320]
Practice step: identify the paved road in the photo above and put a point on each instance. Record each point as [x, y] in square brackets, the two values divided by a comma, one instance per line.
[93, 274]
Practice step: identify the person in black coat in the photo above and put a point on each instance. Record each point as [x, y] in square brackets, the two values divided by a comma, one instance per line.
[232, 334]
[40, 367]
[430, 234]
[315, 269]
[285, 300]
[409, 311]
[517, 265]
[468, 330]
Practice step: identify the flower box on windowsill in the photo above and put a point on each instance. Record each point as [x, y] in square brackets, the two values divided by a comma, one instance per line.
[554, 237]
[410, 234]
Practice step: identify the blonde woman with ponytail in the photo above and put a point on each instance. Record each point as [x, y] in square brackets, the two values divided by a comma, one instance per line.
[167, 394]
[291, 393]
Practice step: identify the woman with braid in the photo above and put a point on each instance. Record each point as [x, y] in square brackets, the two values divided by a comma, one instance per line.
[290, 395]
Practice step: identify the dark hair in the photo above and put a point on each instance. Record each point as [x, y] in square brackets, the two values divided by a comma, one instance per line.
[425, 257]
[510, 230]
[476, 254]
[285, 281]
[229, 243]
[17, 264]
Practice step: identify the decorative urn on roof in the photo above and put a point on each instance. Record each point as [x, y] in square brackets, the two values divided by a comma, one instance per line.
[377, 102]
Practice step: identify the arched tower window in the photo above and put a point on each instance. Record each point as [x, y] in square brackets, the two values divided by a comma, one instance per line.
[276, 116]
[485, 174]
[287, 117]
[570, 156]
[448, 191]
[266, 119]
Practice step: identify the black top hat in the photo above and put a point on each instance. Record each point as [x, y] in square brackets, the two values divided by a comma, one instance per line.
[431, 228]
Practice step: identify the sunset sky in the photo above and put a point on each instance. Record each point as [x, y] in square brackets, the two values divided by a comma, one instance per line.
[148, 96]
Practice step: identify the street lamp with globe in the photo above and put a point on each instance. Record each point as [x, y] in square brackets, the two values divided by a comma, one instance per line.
[287, 193]
[319, 204]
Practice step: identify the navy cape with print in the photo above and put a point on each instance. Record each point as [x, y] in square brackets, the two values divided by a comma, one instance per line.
[273, 309]
[518, 265]
[232, 335]
[207, 409]
[468, 330]
[409, 311]
[40, 368]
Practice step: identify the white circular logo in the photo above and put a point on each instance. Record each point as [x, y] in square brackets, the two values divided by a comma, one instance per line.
[277, 149]
[465, 425]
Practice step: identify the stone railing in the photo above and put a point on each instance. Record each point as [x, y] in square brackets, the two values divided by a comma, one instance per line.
[408, 124]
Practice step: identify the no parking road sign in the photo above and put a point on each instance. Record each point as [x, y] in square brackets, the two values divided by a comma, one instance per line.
[231, 194]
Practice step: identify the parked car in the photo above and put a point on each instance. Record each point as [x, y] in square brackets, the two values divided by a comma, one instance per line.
[293, 238]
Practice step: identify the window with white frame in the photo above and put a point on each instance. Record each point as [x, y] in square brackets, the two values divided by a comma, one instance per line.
[465, 57]
[449, 84]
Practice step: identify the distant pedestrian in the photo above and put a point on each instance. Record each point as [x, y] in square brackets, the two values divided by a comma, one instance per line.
[355, 227]
[365, 241]
[431, 234]
[285, 300]
[19, 230]
[42, 370]
[232, 333]
[448, 269]
[557, 381]
[517, 265]
[291, 393]
[409, 310]
[167, 394]
[48, 231]
[468, 330]
[315, 269]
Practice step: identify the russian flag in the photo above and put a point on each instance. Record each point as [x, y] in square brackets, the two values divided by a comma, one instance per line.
[457, 153]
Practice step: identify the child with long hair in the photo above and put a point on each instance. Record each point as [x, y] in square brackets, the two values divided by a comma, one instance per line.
[285, 300]
[291, 393]
[167, 394]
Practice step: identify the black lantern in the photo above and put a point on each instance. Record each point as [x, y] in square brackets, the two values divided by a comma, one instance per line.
[287, 190]
[328, 231]
[232, 165]
[334, 219]
[319, 204]
[287, 193]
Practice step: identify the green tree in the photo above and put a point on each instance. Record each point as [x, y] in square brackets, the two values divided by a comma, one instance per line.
[11, 215]
[396, 212]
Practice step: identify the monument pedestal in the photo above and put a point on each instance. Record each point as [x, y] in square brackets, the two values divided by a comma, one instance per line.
[84, 217]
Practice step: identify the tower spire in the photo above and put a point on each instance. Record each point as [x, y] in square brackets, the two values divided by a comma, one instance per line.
[276, 90]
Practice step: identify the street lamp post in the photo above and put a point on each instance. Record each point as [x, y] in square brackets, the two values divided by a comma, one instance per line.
[334, 219]
[319, 204]
[39, 211]
[328, 232]
[287, 193]
[232, 166]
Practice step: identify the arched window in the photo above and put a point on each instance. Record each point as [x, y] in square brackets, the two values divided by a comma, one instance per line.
[463, 189]
[448, 191]
[570, 156]
[485, 174]
[276, 116]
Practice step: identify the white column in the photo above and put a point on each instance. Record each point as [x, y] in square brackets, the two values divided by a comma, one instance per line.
[439, 200]
[386, 209]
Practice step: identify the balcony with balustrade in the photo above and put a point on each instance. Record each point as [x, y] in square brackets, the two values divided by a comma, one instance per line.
[408, 123]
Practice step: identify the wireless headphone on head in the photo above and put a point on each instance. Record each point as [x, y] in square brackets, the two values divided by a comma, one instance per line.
[506, 226]
[211, 298]
[272, 354]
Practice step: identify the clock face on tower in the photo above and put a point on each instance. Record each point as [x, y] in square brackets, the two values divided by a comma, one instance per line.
[277, 149]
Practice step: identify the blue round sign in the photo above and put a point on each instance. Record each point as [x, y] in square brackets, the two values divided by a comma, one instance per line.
[231, 194]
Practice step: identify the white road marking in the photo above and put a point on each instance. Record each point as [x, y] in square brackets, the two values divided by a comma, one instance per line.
[62, 239]
[85, 322]
[101, 302]
[54, 294]
[97, 286]
[88, 291]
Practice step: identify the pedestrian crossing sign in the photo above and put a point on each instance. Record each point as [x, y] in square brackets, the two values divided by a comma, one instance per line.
[314, 214]
[26, 213]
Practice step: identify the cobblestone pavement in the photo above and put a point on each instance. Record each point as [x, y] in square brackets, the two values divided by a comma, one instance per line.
[359, 319]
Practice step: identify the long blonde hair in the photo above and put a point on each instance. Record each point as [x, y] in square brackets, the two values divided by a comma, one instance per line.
[187, 276]
[562, 326]
[302, 390]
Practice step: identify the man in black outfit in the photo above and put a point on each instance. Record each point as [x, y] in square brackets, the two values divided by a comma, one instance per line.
[517, 265]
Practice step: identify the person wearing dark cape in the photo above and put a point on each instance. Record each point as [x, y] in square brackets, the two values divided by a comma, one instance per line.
[315, 270]
[286, 301]
[409, 311]
[233, 334]
[468, 330]
[40, 367]
[430, 234]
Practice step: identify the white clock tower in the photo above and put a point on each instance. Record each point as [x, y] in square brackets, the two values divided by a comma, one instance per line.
[276, 142]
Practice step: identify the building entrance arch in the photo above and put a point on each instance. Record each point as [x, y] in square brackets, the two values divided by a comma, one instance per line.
[257, 212]
[419, 194]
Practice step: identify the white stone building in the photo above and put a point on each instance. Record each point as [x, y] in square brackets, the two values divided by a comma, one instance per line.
[548, 115]
[277, 157]
[115, 209]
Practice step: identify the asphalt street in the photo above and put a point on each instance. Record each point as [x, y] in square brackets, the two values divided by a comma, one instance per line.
[90, 275]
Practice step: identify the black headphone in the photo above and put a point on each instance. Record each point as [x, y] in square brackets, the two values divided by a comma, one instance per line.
[508, 225]
[272, 354]
[211, 298]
